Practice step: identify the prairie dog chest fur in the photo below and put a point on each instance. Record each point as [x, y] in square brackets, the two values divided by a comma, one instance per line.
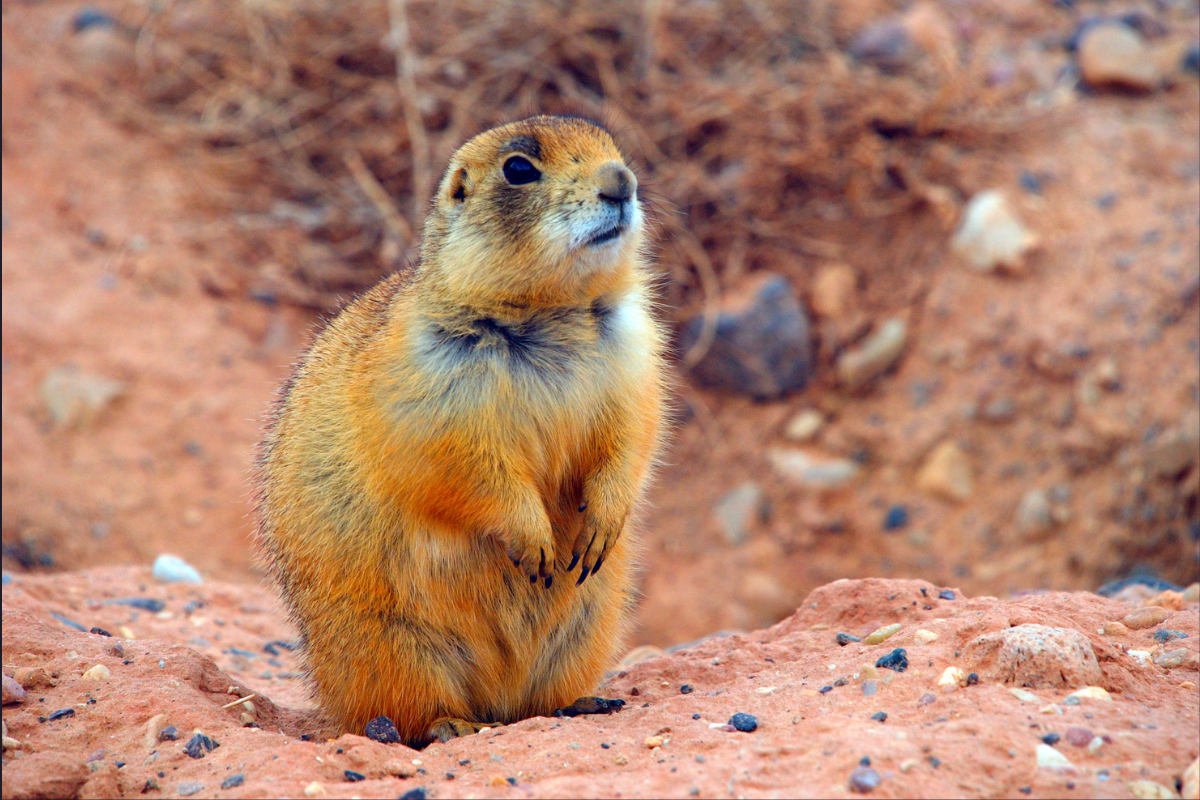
[446, 486]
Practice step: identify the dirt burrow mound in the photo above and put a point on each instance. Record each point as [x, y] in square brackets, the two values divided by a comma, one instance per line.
[916, 708]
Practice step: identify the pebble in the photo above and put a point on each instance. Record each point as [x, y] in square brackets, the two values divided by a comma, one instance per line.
[173, 569]
[844, 639]
[1149, 790]
[1051, 708]
[169, 734]
[355, 777]
[1191, 781]
[761, 344]
[1114, 628]
[923, 636]
[419, 793]
[686, 688]
[864, 779]
[1036, 656]
[76, 399]
[1024, 695]
[233, 781]
[1033, 512]
[1051, 738]
[990, 235]
[952, 676]
[897, 660]
[1169, 599]
[97, 673]
[1113, 54]
[1146, 617]
[399, 768]
[1090, 693]
[314, 789]
[804, 426]
[200, 745]
[13, 692]
[746, 723]
[1078, 736]
[858, 367]
[61, 713]
[832, 290]
[812, 472]
[882, 634]
[738, 511]
[382, 729]
[945, 594]
[1192, 593]
[1166, 634]
[1050, 758]
[654, 741]
[895, 518]
[870, 687]
[189, 788]
[879, 716]
[947, 473]
[1171, 659]
[926, 699]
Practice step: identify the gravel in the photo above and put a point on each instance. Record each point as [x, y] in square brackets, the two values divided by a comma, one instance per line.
[1165, 635]
[200, 745]
[746, 723]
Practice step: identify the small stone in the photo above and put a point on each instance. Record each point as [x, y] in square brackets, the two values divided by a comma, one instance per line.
[1091, 693]
[419, 793]
[897, 660]
[1033, 513]
[314, 789]
[877, 354]
[895, 518]
[686, 689]
[169, 734]
[1192, 593]
[1114, 628]
[1172, 659]
[382, 729]
[952, 676]
[1078, 736]
[1146, 617]
[972, 679]
[1191, 781]
[1164, 635]
[990, 235]
[1149, 790]
[882, 634]
[947, 473]
[1051, 738]
[621, 759]
[200, 745]
[173, 569]
[923, 636]
[760, 343]
[1023, 695]
[76, 398]
[1049, 758]
[1170, 600]
[354, 777]
[1035, 656]
[908, 764]
[1094, 745]
[739, 510]
[1113, 54]
[926, 699]
[868, 672]
[864, 779]
[804, 426]
[97, 673]
[812, 472]
[879, 716]
[833, 291]
[746, 723]
[654, 741]
[399, 768]
[1142, 657]
[189, 788]
[233, 781]
[870, 687]
[154, 727]
[844, 639]
[945, 594]
[62, 713]
[13, 692]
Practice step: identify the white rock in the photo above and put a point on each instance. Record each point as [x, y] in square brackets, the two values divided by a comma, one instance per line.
[1023, 695]
[738, 510]
[1149, 790]
[804, 426]
[1033, 512]
[924, 637]
[953, 676]
[1092, 693]
[858, 367]
[815, 473]
[1140, 656]
[1050, 758]
[990, 236]
[77, 398]
[173, 569]
[97, 673]
[947, 472]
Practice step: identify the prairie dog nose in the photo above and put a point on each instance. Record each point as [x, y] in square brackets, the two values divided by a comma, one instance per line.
[617, 183]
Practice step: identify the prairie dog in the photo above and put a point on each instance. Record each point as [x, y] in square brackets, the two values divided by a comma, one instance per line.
[445, 485]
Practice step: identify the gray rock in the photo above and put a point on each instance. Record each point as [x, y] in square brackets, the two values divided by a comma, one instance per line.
[809, 471]
[76, 398]
[1035, 656]
[1034, 513]
[173, 569]
[876, 355]
[739, 510]
[761, 343]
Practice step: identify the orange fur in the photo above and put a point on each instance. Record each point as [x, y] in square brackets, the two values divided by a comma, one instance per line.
[468, 427]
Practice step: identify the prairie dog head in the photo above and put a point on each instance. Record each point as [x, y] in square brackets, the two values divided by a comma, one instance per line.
[541, 210]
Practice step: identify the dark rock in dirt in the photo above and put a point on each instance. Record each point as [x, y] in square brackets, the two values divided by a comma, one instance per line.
[879, 716]
[91, 18]
[382, 729]
[845, 638]
[864, 779]
[200, 745]
[1164, 635]
[895, 518]
[355, 777]
[233, 781]
[142, 603]
[168, 734]
[897, 660]
[761, 343]
[61, 713]
[746, 723]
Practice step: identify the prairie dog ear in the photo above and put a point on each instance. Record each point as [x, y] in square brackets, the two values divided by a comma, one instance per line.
[458, 186]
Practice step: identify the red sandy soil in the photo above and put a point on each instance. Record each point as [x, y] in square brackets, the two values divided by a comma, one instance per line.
[977, 740]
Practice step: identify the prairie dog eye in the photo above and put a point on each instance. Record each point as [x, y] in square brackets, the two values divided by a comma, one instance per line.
[518, 170]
